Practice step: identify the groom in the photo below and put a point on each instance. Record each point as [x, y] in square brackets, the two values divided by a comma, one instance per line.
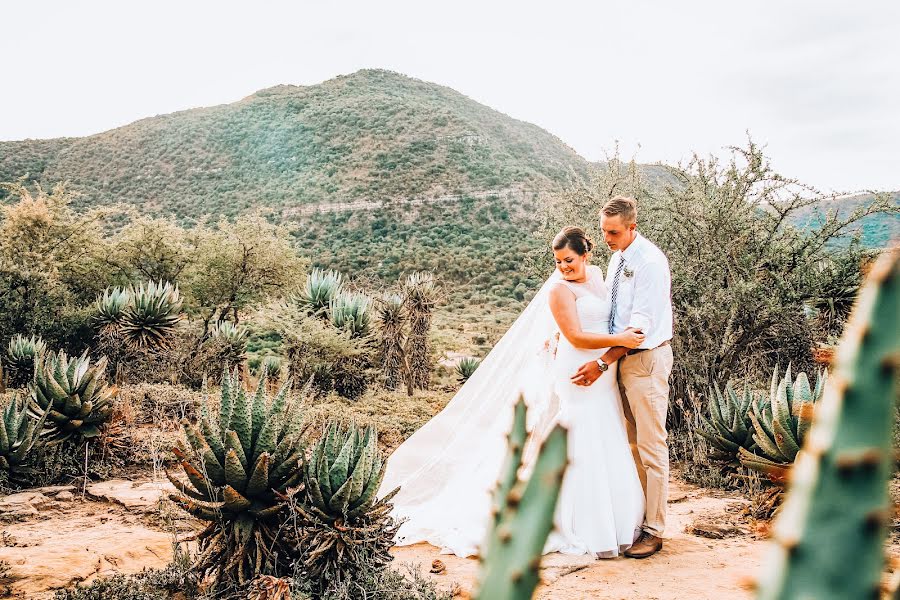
[639, 281]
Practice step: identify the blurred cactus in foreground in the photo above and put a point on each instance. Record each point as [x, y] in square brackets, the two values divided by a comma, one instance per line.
[828, 540]
[523, 516]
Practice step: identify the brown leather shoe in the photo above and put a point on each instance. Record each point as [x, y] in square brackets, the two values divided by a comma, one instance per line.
[646, 545]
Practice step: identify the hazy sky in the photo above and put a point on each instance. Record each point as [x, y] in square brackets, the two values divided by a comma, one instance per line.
[817, 82]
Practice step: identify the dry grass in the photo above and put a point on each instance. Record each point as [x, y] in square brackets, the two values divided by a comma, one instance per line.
[396, 415]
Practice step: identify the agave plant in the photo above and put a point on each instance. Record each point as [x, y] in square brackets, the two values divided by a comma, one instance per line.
[239, 467]
[320, 289]
[74, 395]
[342, 528]
[228, 342]
[110, 307]
[350, 311]
[421, 296]
[149, 320]
[21, 356]
[391, 316]
[228, 332]
[466, 367]
[729, 426]
[780, 426]
[19, 435]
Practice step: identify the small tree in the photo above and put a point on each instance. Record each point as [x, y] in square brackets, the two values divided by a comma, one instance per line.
[239, 264]
[421, 296]
[392, 319]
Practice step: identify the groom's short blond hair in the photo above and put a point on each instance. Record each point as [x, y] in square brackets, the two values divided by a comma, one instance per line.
[621, 206]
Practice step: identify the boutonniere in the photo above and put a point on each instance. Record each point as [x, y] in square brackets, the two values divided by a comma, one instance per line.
[628, 272]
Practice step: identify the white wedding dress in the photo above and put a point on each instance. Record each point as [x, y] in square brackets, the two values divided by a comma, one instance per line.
[447, 469]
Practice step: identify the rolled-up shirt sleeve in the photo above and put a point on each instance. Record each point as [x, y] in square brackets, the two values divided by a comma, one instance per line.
[650, 278]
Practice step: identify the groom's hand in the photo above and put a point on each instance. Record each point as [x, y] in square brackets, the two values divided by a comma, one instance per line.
[587, 374]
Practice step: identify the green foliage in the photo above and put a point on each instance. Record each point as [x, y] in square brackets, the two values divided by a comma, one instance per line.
[730, 427]
[110, 307]
[380, 584]
[117, 587]
[51, 262]
[351, 311]
[149, 249]
[781, 424]
[474, 246]
[466, 367]
[74, 395]
[239, 265]
[333, 359]
[21, 356]
[371, 134]
[523, 515]
[828, 539]
[343, 529]
[243, 457]
[149, 320]
[320, 289]
[19, 435]
[839, 277]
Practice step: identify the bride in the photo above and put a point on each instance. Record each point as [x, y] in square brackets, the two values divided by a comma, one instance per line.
[448, 469]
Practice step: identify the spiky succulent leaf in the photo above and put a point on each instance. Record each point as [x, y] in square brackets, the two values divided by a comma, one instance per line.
[73, 393]
[466, 367]
[111, 305]
[21, 356]
[351, 311]
[243, 537]
[150, 319]
[320, 289]
[19, 436]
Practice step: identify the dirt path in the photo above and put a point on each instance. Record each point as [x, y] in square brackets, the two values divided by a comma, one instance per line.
[54, 538]
[690, 565]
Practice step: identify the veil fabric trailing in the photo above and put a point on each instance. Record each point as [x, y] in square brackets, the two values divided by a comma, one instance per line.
[448, 469]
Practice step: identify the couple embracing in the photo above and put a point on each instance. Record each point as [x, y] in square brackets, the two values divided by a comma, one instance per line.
[589, 351]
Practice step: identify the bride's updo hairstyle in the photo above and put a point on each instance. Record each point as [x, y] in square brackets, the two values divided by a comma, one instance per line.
[573, 238]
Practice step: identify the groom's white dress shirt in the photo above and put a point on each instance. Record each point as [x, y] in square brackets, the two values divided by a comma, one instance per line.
[644, 297]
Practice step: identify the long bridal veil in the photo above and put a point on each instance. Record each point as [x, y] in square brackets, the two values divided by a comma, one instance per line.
[448, 468]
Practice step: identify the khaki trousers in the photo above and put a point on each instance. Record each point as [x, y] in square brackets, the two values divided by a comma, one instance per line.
[644, 384]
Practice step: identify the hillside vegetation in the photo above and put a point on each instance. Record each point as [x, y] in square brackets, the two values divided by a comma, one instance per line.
[375, 174]
[372, 135]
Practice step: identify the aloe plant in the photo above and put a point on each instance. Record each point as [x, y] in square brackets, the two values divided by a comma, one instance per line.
[781, 425]
[19, 435]
[828, 540]
[21, 356]
[320, 289]
[343, 527]
[465, 368]
[239, 466]
[352, 312]
[73, 394]
[729, 427]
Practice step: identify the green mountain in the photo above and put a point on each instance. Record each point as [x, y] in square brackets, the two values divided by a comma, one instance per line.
[334, 160]
[372, 136]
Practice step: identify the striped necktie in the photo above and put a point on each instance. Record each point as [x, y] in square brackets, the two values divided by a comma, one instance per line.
[615, 292]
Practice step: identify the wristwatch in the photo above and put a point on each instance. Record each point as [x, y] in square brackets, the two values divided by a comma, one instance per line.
[603, 366]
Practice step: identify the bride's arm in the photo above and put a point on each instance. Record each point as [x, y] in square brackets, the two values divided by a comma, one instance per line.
[562, 305]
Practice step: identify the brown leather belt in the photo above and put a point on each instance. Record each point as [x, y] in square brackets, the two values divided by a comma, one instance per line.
[636, 350]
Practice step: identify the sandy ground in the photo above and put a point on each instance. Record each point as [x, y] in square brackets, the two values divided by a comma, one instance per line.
[59, 537]
[689, 566]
